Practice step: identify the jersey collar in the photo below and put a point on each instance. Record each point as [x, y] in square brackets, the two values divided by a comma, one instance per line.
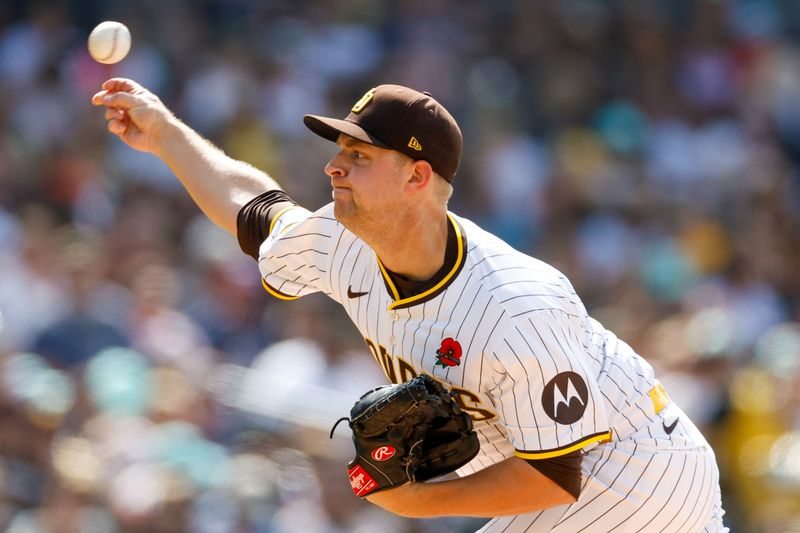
[454, 262]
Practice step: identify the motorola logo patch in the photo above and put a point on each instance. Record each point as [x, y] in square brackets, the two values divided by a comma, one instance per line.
[564, 398]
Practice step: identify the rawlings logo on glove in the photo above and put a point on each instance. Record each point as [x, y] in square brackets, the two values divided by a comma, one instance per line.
[409, 432]
[361, 482]
[384, 453]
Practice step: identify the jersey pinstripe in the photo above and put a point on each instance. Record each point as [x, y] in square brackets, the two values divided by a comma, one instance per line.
[505, 331]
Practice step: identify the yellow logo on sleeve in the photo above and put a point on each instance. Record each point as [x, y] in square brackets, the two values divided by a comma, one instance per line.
[414, 143]
[362, 103]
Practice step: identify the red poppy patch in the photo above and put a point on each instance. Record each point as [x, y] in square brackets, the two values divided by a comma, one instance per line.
[449, 353]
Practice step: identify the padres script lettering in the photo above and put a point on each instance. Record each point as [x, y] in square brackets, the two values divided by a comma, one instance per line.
[398, 370]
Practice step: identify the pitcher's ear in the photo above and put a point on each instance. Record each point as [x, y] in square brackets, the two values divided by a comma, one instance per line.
[421, 175]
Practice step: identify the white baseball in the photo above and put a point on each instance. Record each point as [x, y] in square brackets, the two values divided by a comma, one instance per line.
[109, 42]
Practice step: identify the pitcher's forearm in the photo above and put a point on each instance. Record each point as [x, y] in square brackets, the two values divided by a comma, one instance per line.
[506, 488]
[218, 184]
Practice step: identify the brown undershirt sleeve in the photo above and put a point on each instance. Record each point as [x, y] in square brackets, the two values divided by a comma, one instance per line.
[255, 219]
[564, 470]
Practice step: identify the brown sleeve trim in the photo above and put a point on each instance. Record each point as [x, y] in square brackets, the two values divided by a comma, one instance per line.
[255, 219]
[564, 470]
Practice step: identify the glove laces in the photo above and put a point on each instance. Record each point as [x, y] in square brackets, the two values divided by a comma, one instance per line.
[336, 424]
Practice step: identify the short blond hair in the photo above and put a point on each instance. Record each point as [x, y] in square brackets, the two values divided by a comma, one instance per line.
[442, 188]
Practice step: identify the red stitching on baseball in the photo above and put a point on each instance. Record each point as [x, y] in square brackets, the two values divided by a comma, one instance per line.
[114, 35]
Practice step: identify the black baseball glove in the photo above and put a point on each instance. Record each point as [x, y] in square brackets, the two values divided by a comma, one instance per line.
[409, 432]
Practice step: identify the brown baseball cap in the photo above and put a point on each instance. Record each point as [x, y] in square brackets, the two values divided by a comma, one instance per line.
[401, 119]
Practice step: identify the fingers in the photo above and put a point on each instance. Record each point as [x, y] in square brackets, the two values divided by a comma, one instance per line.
[97, 99]
[117, 126]
[116, 86]
[120, 100]
[113, 113]
[121, 84]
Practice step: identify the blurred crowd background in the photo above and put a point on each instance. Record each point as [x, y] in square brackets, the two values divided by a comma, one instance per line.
[649, 149]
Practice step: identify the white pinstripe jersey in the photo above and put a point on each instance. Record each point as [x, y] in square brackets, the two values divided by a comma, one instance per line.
[504, 330]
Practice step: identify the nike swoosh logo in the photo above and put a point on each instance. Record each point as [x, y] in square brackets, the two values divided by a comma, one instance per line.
[670, 428]
[351, 294]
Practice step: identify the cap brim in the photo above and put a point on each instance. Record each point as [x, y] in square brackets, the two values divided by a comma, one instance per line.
[330, 128]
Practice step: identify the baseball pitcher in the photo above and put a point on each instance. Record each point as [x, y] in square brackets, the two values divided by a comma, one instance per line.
[575, 431]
